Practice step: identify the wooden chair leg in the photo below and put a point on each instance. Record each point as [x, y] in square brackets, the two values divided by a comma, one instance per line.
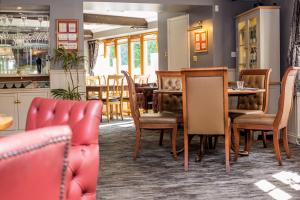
[186, 151]
[249, 140]
[227, 151]
[215, 142]
[121, 110]
[236, 142]
[161, 137]
[286, 142]
[202, 147]
[264, 138]
[108, 112]
[174, 133]
[276, 145]
[137, 143]
[117, 111]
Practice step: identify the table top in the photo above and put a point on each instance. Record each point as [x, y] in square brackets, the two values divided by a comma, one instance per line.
[230, 91]
[5, 122]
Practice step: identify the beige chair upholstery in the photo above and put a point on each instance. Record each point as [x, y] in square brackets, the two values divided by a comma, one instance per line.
[164, 120]
[268, 122]
[205, 105]
[254, 78]
[170, 80]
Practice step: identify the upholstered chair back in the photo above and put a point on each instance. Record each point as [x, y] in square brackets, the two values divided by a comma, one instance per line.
[286, 97]
[83, 118]
[132, 98]
[33, 164]
[255, 78]
[205, 100]
[170, 80]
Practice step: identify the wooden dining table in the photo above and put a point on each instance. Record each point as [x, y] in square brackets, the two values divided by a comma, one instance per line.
[5, 122]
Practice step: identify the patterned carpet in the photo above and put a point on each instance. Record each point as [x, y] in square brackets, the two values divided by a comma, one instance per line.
[155, 175]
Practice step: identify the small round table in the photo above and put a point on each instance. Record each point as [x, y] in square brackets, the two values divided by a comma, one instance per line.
[5, 122]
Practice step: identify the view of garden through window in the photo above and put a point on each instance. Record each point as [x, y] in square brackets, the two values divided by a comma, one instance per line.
[117, 59]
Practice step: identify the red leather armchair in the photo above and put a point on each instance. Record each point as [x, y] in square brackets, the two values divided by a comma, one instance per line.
[83, 119]
[33, 165]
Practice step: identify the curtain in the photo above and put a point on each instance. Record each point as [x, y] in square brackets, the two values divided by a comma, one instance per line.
[294, 45]
[93, 54]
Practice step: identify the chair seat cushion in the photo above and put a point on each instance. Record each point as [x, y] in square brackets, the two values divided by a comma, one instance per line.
[259, 119]
[245, 112]
[158, 118]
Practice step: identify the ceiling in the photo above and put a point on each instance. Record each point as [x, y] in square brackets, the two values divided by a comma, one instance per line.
[138, 10]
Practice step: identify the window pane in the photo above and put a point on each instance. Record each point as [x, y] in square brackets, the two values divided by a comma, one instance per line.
[136, 57]
[106, 64]
[123, 56]
[151, 57]
[111, 55]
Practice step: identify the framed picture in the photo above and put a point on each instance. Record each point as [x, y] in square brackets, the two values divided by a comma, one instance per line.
[67, 34]
[201, 41]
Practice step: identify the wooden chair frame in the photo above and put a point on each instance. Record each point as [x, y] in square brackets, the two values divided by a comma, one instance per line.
[275, 127]
[266, 73]
[206, 72]
[116, 89]
[139, 126]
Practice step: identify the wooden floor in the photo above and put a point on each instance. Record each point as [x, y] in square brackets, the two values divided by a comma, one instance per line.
[155, 175]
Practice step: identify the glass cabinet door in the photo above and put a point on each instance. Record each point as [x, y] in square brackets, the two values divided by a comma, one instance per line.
[252, 43]
[242, 45]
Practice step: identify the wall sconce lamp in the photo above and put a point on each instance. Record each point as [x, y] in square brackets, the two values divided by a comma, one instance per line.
[197, 26]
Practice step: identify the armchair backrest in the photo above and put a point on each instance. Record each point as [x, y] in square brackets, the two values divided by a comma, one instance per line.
[286, 97]
[205, 101]
[33, 165]
[83, 118]
[170, 80]
[255, 78]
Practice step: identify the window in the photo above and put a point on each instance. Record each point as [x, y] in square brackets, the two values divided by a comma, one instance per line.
[106, 62]
[113, 59]
[136, 56]
[150, 56]
[123, 54]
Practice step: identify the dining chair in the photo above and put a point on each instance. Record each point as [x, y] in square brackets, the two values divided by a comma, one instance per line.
[141, 79]
[164, 120]
[169, 80]
[114, 96]
[205, 106]
[271, 122]
[253, 104]
[95, 81]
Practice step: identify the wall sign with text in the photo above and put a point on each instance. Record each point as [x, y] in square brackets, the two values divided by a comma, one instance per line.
[201, 41]
[67, 34]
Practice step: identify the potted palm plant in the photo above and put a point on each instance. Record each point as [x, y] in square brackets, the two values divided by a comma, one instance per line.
[69, 60]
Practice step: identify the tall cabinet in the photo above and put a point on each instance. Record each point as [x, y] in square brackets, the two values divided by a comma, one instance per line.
[258, 45]
[258, 40]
